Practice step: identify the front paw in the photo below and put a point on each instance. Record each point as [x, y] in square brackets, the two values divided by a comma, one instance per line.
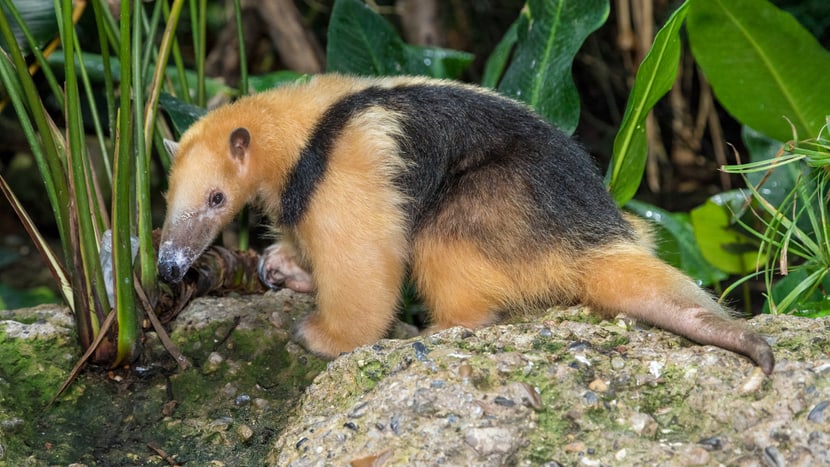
[278, 267]
[312, 337]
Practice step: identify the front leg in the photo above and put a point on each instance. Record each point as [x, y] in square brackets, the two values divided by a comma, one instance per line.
[358, 284]
[354, 234]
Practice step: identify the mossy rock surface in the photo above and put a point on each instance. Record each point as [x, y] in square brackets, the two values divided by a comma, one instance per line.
[561, 388]
[226, 409]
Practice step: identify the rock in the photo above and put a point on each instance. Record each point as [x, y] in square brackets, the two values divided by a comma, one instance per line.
[561, 389]
[606, 395]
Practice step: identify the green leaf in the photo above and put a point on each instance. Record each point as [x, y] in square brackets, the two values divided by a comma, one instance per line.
[435, 62]
[676, 241]
[276, 79]
[39, 18]
[361, 42]
[798, 292]
[721, 243]
[762, 64]
[94, 65]
[540, 73]
[778, 183]
[497, 62]
[181, 114]
[655, 77]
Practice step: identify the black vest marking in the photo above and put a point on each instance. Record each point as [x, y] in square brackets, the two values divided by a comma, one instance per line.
[451, 131]
[310, 169]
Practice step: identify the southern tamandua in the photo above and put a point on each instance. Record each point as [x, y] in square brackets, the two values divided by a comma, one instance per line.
[487, 207]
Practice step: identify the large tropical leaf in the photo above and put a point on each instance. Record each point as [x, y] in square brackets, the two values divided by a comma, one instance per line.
[763, 65]
[540, 73]
[654, 78]
[361, 42]
[39, 18]
[721, 241]
[500, 57]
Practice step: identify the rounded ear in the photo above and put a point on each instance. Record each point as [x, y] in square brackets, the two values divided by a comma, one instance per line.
[240, 140]
[172, 147]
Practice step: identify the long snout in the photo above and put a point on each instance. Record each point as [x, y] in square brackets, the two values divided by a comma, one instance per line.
[170, 272]
[174, 262]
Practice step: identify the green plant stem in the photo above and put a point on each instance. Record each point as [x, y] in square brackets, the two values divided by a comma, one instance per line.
[49, 160]
[151, 29]
[180, 71]
[109, 87]
[243, 59]
[244, 216]
[198, 19]
[92, 282]
[145, 220]
[96, 121]
[122, 260]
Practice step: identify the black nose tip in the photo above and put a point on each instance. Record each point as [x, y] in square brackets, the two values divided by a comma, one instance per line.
[170, 272]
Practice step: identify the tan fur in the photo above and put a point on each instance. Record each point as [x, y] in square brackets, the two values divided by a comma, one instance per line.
[358, 186]
[477, 257]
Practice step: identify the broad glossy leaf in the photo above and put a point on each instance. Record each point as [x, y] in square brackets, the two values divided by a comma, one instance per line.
[39, 17]
[181, 114]
[718, 237]
[497, 61]
[276, 79]
[762, 64]
[654, 78]
[540, 73]
[435, 62]
[676, 242]
[95, 69]
[361, 42]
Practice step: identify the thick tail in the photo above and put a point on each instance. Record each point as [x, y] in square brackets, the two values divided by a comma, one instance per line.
[628, 279]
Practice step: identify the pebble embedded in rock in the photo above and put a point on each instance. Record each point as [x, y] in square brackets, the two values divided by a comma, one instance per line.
[694, 455]
[753, 382]
[576, 446]
[598, 385]
[818, 414]
[214, 360]
[245, 432]
[643, 424]
[490, 440]
[421, 351]
[712, 444]
[359, 410]
[503, 401]
[465, 371]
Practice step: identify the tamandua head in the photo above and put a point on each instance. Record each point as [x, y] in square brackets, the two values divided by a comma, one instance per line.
[210, 181]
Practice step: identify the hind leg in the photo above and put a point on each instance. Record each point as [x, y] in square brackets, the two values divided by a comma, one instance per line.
[460, 286]
[627, 279]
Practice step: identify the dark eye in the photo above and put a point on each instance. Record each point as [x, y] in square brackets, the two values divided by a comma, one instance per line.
[216, 199]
